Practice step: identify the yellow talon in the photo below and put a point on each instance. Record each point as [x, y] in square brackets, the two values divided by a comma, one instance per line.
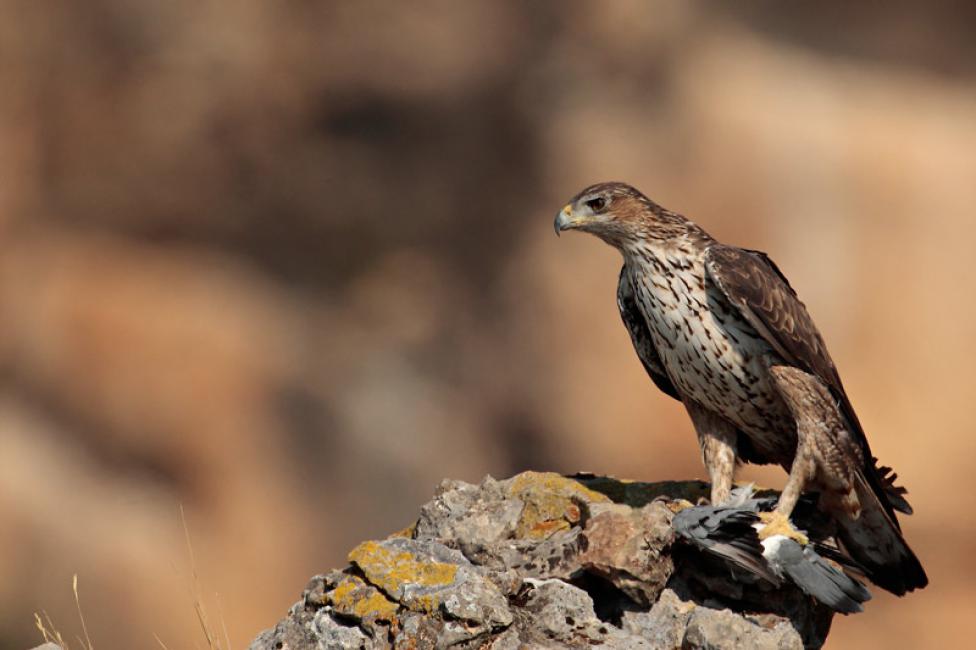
[779, 524]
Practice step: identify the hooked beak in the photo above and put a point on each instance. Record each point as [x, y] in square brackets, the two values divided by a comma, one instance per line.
[564, 220]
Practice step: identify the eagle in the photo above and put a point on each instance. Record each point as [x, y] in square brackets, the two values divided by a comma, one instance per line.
[720, 329]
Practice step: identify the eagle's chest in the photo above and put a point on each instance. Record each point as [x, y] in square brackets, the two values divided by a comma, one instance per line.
[711, 354]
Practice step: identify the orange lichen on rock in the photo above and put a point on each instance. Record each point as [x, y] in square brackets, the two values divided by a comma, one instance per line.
[354, 598]
[391, 571]
[552, 503]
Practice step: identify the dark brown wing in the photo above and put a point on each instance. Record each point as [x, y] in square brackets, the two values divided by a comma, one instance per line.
[761, 293]
[640, 336]
[758, 289]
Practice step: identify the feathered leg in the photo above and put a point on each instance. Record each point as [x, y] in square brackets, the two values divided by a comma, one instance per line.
[825, 453]
[717, 437]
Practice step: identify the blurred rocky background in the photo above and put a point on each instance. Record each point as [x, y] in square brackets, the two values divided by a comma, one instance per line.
[286, 265]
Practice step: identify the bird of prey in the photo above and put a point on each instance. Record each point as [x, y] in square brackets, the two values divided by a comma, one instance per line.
[739, 533]
[720, 329]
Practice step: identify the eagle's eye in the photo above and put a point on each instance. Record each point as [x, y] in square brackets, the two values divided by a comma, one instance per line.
[597, 204]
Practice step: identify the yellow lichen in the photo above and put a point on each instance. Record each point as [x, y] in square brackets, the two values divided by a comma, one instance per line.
[377, 606]
[426, 602]
[340, 594]
[552, 503]
[390, 570]
[554, 484]
[353, 597]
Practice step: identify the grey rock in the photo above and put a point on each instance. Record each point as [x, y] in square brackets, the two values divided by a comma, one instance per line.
[664, 625]
[544, 561]
[509, 640]
[626, 546]
[474, 516]
[722, 629]
[291, 633]
[563, 613]
[331, 634]
[558, 556]
[418, 631]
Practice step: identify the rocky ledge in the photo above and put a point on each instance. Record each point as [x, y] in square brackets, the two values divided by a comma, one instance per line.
[545, 561]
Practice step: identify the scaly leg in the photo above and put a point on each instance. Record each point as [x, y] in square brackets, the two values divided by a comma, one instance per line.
[717, 437]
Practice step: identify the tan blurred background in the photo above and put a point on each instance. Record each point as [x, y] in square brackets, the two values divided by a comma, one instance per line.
[289, 264]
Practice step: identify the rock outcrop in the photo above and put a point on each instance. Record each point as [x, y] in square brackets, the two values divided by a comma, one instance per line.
[545, 561]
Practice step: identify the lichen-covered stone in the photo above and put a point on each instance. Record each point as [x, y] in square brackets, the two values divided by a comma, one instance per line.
[552, 503]
[544, 561]
[356, 599]
[408, 571]
[427, 577]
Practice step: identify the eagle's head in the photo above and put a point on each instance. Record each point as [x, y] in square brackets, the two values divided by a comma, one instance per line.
[619, 215]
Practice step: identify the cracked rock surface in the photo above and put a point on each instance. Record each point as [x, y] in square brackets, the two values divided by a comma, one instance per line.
[544, 561]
